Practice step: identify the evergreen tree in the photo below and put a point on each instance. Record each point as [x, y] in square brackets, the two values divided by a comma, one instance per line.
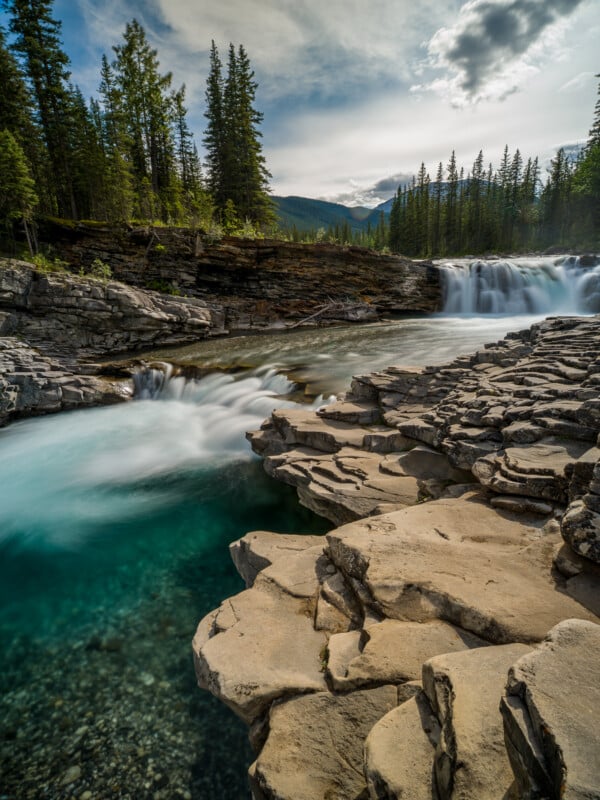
[146, 96]
[17, 114]
[17, 189]
[215, 135]
[37, 41]
[586, 183]
[236, 165]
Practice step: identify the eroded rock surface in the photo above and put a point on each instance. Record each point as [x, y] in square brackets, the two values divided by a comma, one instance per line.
[51, 324]
[32, 383]
[550, 714]
[71, 315]
[521, 417]
[503, 447]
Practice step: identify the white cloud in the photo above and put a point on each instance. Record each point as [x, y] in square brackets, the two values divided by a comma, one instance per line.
[494, 47]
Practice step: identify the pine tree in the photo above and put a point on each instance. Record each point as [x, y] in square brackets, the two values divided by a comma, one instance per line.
[215, 136]
[236, 165]
[118, 200]
[17, 114]
[451, 217]
[17, 189]
[145, 93]
[46, 66]
[586, 183]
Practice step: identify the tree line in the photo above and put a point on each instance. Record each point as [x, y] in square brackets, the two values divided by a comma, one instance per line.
[129, 153]
[503, 209]
[509, 208]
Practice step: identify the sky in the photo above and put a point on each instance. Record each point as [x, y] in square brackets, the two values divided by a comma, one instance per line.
[355, 95]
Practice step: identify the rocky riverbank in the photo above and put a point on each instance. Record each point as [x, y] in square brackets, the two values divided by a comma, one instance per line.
[173, 287]
[444, 641]
[53, 325]
[256, 282]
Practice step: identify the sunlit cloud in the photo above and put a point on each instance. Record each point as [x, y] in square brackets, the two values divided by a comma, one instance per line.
[494, 47]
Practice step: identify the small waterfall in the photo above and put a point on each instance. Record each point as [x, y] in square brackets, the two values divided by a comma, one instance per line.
[522, 286]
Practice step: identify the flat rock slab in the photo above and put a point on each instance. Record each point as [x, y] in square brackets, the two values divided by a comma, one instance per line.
[464, 690]
[315, 745]
[259, 549]
[459, 560]
[258, 646]
[391, 652]
[399, 752]
[551, 714]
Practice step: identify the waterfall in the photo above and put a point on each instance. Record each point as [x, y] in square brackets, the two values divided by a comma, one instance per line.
[539, 285]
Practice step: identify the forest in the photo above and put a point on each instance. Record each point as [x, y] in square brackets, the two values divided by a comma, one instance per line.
[128, 155]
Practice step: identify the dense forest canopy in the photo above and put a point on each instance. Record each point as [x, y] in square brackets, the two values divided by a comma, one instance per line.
[129, 155]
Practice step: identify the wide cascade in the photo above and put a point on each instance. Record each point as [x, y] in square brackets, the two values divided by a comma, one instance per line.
[542, 285]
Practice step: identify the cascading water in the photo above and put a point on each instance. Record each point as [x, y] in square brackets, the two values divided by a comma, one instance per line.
[521, 286]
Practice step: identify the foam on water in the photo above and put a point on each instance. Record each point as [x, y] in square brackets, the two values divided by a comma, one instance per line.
[65, 473]
[521, 286]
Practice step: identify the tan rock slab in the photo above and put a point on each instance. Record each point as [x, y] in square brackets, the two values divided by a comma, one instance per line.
[393, 652]
[315, 745]
[399, 752]
[464, 690]
[551, 713]
[258, 646]
[259, 549]
[459, 560]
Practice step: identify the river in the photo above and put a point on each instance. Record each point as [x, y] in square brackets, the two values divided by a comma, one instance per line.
[114, 526]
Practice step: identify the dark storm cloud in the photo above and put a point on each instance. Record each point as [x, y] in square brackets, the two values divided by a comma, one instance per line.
[489, 34]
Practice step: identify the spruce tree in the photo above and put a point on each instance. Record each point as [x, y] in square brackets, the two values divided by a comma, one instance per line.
[237, 169]
[146, 96]
[17, 189]
[46, 65]
[214, 136]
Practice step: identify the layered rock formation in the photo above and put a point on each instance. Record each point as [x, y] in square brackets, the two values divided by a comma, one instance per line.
[373, 664]
[73, 315]
[257, 282]
[51, 324]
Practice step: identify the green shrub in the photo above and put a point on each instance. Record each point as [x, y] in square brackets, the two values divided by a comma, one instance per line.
[44, 264]
[100, 269]
[164, 287]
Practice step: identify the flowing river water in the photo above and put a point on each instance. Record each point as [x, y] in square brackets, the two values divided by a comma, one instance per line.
[114, 527]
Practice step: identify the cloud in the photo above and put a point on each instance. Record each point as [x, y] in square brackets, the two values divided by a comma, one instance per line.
[494, 46]
[299, 48]
[369, 195]
[578, 82]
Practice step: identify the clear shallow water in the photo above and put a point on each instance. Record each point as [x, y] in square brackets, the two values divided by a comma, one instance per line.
[114, 527]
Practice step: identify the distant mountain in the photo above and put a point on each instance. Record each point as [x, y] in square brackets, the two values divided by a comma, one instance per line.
[309, 214]
[386, 206]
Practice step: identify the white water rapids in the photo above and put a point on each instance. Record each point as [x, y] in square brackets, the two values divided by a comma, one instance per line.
[540, 285]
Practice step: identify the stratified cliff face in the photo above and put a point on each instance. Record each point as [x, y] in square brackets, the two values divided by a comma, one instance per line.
[49, 321]
[258, 282]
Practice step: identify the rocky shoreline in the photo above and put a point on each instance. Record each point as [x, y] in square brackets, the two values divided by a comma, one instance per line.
[56, 325]
[443, 642]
